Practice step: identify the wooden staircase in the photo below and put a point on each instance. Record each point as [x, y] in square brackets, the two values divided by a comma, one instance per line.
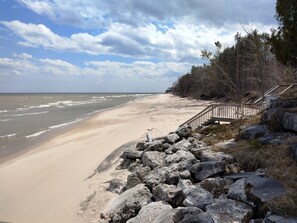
[230, 112]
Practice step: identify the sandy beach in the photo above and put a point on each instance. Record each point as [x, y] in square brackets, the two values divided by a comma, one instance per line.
[49, 183]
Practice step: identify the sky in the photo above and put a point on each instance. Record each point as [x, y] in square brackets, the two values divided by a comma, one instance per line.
[116, 45]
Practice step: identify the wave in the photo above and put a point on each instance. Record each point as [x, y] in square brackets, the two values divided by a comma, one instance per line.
[8, 136]
[5, 120]
[3, 111]
[51, 128]
[23, 114]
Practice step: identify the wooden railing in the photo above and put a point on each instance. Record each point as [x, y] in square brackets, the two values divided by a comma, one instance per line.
[223, 112]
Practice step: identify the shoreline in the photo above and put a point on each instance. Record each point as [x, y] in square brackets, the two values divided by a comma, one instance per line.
[43, 138]
[48, 183]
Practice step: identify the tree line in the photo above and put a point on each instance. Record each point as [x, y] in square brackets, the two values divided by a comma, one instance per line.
[254, 64]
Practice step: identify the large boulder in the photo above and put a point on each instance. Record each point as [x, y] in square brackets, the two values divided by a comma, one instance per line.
[128, 204]
[132, 180]
[150, 212]
[174, 176]
[254, 132]
[196, 196]
[216, 186]
[184, 132]
[209, 155]
[169, 193]
[264, 189]
[181, 145]
[184, 184]
[156, 176]
[204, 170]
[202, 217]
[169, 216]
[142, 171]
[153, 158]
[237, 191]
[156, 145]
[131, 154]
[289, 121]
[172, 138]
[225, 210]
[179, 156]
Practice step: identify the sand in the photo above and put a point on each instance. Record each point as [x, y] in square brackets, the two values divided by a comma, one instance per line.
[52, 182]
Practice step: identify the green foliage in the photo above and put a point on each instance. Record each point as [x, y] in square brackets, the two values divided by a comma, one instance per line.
[283, 40]
[255, 144]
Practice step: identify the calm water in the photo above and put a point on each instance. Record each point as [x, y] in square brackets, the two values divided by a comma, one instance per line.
[25, 118]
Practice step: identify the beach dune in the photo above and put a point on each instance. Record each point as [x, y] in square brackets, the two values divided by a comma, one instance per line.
[48, 183]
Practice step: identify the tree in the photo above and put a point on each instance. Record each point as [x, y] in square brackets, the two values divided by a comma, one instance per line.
[284, 39]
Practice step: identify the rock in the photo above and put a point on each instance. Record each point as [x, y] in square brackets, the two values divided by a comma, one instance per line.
[172, 138]
[131, 154]
[125, 164]
[140, 146]
[179, 156]
[188, 212]
[202, 217]
[128, 204]
[289, 121]
[181, 145]
[174, 177]
[272, 118]
[170, 193]
[216, 186]
[116, 185]
[279, 219]
[184, 184]
[150, 212]
[279, 103]
[184, 132]
[232, 168]
[264, 189]
[134, 165]
[204, 170]
[197, 197]
[196, 151]
[237, 191]
[132, 180]
[187, 164]
[226, 210]
[156, 145]
[209, 155]
[142, 172]
[237, 176]
[169, 216]
[153, 159]
[156, 176]
[254, 132]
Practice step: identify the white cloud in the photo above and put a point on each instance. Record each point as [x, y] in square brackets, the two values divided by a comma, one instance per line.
[181, 42]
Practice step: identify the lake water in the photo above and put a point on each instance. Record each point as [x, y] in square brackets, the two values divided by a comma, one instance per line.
[25, 118]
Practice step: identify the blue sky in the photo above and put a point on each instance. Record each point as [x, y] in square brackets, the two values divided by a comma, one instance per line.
[115, 45]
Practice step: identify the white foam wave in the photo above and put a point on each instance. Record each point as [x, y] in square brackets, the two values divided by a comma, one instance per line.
[8, 136]
[5, 120]
[23, 114]
[3, 111]
[37, 134]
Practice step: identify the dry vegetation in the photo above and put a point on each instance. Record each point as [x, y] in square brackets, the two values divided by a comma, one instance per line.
[275, 160]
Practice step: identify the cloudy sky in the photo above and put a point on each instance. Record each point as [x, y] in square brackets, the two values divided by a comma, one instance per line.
[115, 45]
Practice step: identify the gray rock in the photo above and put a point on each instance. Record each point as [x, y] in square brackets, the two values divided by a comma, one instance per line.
[216, 186]
[204, 170]
[153, 158]
[150, 212]
[175, 176]
[170, 193]
[254, 132]
[237, 191]
[128, 204]
[181, 145]
[179, 156]
[188, 212]
[140, 146]
[289, 121]
[125, 164]
[232, 168]
[209, 155]
[142, 172]
[134, 165]
[279, 219]
[196, 151]
[169, 216]
[256, 221]
[172, 138]
[197, 197]
[187, 164]
[131, 154]
[116, 185]
[156, 176]
[264, 189]
[202, 217]
[226, 210]
[184, 184]
[132, 180]
[156, 145]
[226, 144]
[184, 132]
[293, 150]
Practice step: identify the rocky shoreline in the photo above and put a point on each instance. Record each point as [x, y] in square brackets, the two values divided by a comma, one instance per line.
[178, 178]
